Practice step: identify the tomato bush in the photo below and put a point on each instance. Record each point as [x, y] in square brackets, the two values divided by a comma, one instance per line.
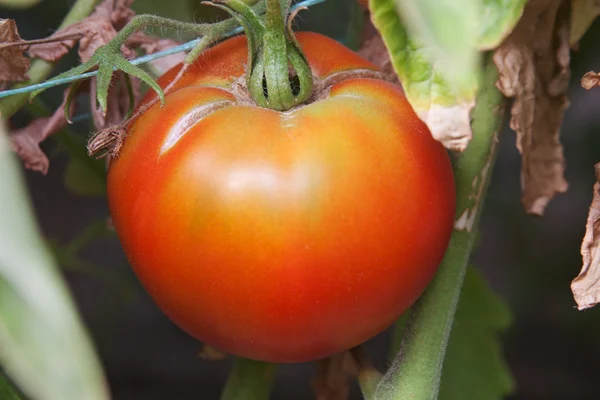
[282, 236]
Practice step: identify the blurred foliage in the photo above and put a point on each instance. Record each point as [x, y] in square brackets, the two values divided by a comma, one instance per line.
[69, 258]
[18, 3]
[38, 322]
[8, 391]
[84, 175]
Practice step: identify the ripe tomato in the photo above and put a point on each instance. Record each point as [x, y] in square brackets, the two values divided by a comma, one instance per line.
[282, 236]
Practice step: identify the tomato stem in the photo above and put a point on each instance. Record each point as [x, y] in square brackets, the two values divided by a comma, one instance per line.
[278, 75]
[249, 380]
[417, 369]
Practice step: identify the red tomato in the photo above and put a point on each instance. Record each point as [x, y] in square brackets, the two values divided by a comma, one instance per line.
[282, 236]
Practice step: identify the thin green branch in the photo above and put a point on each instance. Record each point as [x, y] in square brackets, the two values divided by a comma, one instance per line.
[40, 69]
[249, 380]
[416, 371]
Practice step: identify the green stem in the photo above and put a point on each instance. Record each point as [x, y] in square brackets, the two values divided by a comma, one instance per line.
[249, 380]
[40, 69]
[355, 26]
[278, 75]
[416, 371]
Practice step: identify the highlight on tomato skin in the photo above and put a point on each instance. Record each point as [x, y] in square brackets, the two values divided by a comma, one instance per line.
[283, 237]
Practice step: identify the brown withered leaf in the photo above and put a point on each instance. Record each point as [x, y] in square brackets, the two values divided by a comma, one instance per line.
[26, 141]
[590, 80]
[54, 51]
[333, 374]
[583, 13]
[374, 50]
[13, 63]
[586, 287]
[91, 32]
[534, 69]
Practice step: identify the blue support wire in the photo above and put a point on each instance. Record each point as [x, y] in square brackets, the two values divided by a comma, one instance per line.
[137, 61]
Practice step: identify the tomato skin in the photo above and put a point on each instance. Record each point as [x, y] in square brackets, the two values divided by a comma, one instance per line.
[283, 237]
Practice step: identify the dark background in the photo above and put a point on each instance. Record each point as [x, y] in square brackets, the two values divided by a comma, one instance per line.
[552, 349]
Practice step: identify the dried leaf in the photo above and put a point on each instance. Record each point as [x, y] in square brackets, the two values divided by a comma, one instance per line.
[586, 287]
[91, 32]
[26, 141]
[374, 50]
[534, 69]
[13, 64]
[55, 50]
[333, 373]
[583, 13]
[590, 80]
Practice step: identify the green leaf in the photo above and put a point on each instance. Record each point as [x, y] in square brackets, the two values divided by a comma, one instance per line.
[449, 28]
[474, 368]
[497, 19]
[43, 345]
[443, 104]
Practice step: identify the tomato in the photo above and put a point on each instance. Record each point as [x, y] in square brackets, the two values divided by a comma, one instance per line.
[282, 236]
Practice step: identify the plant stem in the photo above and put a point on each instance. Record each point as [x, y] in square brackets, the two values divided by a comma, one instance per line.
[249, 380]
[416, 371]
[355, 26]
[40, 69]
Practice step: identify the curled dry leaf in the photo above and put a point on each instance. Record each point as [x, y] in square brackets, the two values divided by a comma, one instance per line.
[333, 374]
[26, 141]
[374, 50]
[534, 69]
[590, 80]
[586, 287]
[13, 64]
[91, 32]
